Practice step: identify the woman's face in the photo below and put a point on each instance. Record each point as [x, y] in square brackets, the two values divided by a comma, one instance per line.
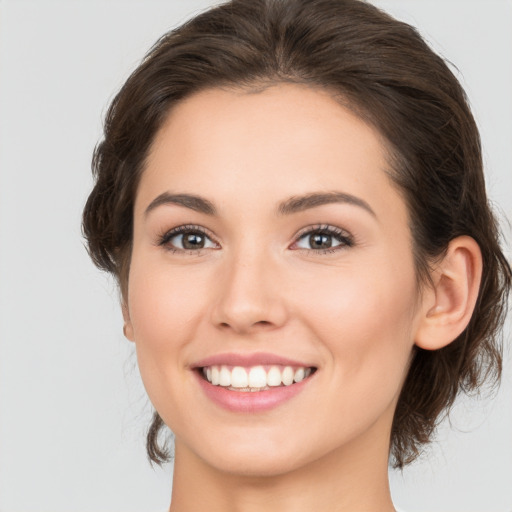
[270, 245]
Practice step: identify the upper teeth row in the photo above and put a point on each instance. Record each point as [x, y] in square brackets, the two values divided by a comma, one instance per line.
[254, 377]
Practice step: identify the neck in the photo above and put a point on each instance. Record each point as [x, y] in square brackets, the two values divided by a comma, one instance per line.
[352, 478]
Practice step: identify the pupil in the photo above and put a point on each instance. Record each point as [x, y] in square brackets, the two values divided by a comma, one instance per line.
[320, 241]
[193, 241]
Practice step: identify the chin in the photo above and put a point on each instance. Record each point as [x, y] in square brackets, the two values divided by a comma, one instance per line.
[264, 464]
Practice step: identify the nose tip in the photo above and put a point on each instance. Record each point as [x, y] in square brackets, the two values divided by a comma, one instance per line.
[249, 312]
[249, 300]
[241, 326]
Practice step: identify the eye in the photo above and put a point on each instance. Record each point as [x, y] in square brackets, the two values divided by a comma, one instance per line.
[187, 238]
[323, 239]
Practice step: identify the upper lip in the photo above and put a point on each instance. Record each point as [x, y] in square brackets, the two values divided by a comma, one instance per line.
[247, 360]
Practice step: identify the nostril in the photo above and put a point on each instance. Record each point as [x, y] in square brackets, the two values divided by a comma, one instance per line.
[260, 323]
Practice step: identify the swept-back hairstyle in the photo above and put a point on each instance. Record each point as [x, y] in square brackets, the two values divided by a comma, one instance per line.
[384, 72]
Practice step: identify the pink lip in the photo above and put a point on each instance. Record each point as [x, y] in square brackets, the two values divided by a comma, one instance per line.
[246, 360]
[249, 402]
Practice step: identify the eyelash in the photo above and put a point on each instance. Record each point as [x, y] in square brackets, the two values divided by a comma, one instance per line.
[345, 239]
[164, 239]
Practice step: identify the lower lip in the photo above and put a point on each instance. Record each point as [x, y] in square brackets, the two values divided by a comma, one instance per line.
[250, 401]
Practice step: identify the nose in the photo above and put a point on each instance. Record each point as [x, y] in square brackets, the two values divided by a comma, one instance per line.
[251, 295]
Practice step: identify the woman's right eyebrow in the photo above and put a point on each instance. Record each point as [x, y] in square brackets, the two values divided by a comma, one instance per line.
[197, 203]
[292, 205]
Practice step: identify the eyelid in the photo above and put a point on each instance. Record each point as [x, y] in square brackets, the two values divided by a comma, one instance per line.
[342, 234]
[166, 236]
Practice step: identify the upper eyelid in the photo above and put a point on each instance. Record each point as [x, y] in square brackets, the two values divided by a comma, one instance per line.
[178, 230]
[343, 235]
[334, 230]
[328, 228]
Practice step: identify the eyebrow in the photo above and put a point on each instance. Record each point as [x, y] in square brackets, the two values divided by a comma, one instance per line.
[300, 203]
[292, 205]
[196, 203]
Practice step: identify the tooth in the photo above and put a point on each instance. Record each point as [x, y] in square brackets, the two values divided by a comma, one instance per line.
[215, 375]
[239, 377]
[224, 377]
[299, 374]
[258, 377]
[255, 378]
[287, 375]
[274, 376]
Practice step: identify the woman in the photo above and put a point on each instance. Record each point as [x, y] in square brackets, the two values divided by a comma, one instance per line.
[290, 194]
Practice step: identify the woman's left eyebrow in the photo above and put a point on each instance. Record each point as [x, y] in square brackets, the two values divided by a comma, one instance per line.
[300, 203]
[292, 205]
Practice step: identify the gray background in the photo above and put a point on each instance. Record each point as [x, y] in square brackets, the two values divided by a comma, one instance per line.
[72, 408]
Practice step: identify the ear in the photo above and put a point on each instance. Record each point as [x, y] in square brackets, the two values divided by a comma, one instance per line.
[447, 306]
[127, 328]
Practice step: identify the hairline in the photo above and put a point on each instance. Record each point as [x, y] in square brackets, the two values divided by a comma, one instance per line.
[392, 155]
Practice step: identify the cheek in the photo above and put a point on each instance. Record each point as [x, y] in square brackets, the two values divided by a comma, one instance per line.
[165, 311]
[365, 319]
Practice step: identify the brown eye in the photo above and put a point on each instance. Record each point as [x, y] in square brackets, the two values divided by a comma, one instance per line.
[193, 240]
[320, 241]
[187, 239]
[328, 237]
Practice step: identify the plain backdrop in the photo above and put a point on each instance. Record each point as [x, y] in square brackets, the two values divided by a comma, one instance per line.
[73, 412]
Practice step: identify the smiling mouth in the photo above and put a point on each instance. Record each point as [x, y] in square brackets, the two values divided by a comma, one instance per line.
[254, 378]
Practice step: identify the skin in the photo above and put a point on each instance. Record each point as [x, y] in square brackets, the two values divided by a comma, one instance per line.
[353, 312]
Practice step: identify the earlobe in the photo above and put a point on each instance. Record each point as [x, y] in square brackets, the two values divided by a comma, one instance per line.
[127, 327]
[448, 305]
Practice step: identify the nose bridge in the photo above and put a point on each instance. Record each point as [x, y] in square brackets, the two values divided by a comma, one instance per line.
[248, 295]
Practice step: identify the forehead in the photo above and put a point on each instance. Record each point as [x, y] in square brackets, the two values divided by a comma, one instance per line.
[263, 146]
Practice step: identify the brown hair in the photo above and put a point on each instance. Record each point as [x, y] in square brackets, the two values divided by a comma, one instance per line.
[383, 70]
